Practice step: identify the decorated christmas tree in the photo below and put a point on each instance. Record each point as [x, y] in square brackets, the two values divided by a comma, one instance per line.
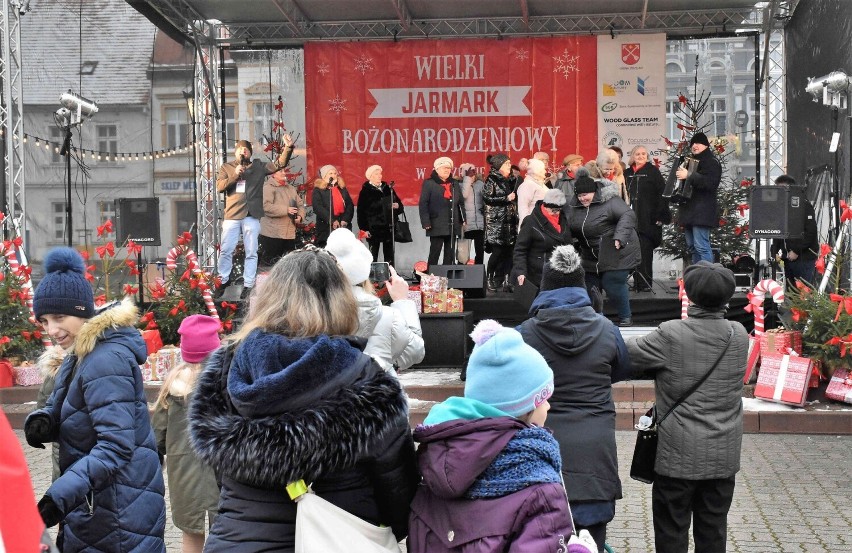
[19, 334]
[731, 236]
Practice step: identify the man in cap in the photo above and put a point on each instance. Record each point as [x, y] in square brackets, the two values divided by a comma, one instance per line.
[700, 214]
[242, 182]
[567, 176]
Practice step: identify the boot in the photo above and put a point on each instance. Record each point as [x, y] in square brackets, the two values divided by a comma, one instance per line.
[492, 283]
[506, 286]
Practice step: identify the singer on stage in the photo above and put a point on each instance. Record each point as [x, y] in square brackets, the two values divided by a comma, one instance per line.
[242, 182]
[332, 203]
[282, 211]
[378, 206]
[701, 213]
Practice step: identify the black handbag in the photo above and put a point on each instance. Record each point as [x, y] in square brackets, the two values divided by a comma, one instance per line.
[645, 450]
[401, 231]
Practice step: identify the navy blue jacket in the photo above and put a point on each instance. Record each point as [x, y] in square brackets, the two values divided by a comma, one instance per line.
[702, 209]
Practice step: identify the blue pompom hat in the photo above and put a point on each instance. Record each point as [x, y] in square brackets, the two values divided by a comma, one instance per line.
[505, 372]
[64, 289]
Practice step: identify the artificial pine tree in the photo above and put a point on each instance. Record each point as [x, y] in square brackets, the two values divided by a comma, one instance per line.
[731, 236]
[19, 335]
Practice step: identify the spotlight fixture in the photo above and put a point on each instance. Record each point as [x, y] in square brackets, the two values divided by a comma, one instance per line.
[833, 88]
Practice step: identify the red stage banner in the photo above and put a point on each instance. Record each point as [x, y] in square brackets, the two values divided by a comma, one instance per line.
[402, 105]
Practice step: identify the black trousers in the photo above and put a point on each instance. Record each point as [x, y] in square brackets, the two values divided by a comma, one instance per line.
[271, 249]
[500, 262]
[478, 237]
[436, 244]
[706, 502]
[386, 245]
[643, 277]
[598, 533]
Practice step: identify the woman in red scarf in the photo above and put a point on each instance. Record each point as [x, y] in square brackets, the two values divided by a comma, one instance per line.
[442, 211]
[542, 231]
[332, 203]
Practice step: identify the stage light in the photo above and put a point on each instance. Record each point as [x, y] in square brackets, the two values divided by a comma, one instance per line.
[832, 88]
[83, 106]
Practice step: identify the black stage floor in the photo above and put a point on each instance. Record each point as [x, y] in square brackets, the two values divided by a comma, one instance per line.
[649, 308]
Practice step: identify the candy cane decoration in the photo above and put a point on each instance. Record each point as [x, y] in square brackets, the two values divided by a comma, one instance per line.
[193, 266]
[12, 260]
[756, 301]
[684, 301]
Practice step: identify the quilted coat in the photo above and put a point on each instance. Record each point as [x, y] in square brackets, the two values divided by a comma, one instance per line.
[392, 332]
[501, 213]
[111, 488]
[283, 409]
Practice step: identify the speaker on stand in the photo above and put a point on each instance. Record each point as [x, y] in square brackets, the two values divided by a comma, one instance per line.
[470, 279]
[138, 219]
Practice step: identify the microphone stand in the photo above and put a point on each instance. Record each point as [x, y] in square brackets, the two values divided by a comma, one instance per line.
[392, 224]
[453, 243]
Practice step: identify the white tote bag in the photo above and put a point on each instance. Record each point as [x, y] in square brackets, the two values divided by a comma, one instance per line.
[322, 527]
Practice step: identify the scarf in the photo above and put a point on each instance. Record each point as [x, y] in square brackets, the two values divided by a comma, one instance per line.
[448, 195]
[531, 457]
[637, 167]
[337, 201]
[610, 175]
[552, 218]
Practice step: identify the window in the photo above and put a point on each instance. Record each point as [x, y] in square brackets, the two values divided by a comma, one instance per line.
[672, 114]
[262, 119]
[230, 124]
[57, 137]
[106, 211]
[177, 127]
[186, 215]
[718, 112]
[57, 209]
[107, 141]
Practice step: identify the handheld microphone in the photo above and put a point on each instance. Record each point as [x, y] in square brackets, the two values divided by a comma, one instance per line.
[293, 203]
[391, 183]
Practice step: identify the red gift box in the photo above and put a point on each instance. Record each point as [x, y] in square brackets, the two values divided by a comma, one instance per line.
[753, 357]
[7, 378]
[840, 386]
[152, 340]
[783, 379]
[28, 375]
[779, 340]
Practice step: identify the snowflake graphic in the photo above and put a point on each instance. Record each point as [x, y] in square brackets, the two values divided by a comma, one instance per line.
[522, 54]
[337, 104]
[323, 68]
[363, 64]
[566, 64]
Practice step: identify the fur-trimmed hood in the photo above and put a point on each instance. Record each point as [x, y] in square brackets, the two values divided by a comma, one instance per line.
[352, 406]
[322, 184]
[50, 361]
[607, 190]
[113, 321]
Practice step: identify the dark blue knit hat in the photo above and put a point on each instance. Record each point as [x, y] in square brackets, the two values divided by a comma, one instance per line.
[64, 289]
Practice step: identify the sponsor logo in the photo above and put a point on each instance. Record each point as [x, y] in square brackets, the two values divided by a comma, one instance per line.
[640, 85]
[148, 239]
[611, 138]
[630, 53]
[767, 231]
[609, 106]
[608, 90]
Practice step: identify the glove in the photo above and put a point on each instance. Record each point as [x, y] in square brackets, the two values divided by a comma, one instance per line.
[37, 429]
[50, 513]
[584, 543]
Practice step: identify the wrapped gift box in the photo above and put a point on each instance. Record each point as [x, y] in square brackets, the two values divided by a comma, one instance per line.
[753, 357]
[433, 284]
[414, 295]
[779, 340]
[147, 368]
[28, 375]
[167, 359]
[455, 301]
[840, 386]
[434, 302]
[783, 379]
[152, 340]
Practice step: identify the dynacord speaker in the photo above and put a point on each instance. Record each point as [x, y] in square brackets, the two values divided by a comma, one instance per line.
[138, 219]
[777, 212]
[470, 279]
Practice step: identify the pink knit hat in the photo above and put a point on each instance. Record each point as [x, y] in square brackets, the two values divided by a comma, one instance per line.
[199, 336]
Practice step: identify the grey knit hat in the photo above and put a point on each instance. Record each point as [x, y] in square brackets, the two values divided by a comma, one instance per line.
[564, 269]
[64, 289]
[554, 198]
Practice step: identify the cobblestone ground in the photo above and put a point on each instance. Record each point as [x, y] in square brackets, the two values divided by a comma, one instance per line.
[793, 495]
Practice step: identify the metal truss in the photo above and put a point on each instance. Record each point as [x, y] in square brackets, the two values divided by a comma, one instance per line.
[207, 151]
[12, 112]
[774, 108]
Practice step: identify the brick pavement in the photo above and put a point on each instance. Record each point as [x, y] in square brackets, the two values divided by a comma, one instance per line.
[793, 494]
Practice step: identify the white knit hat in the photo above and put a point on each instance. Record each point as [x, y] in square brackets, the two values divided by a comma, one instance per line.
[372, 169]
[442, 162]
[325, 169]
[535, 167]
[352, 255]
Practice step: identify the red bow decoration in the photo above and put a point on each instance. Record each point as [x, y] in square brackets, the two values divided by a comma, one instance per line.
[2, 277]
[184, 239]
[158, 292]
[657, 162]
[24, 271]
[27, 335]
[846, 212]
[187, 274]
[683, 127]
[227, 326]
[5, 340]
[798, 314]
[181, 306]
[755, 302]
[105, 228]
[278, 125]
[84, 254]
[742, 209]
[362, 234]
[820, 265]
[100, 300]
[133, 248]
[745, 183]
[280, 105]
[272, 145]
[682, 99]
[132, 266]
[738, 230]
[723, 222]
[720, 148]
[843, 342]
[824, 249]
[18, 295]
[843, 302]
[130, 290]
[106, 249]
[2, 216]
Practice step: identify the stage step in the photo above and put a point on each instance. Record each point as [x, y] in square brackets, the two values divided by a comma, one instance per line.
[427, 387]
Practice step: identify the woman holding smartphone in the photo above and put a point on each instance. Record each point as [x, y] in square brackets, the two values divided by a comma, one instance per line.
[393, 333]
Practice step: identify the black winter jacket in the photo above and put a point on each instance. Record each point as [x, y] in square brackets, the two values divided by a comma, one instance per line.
[702, 209]
[536, 241]
[645, 190]
[316, 409]
[322, 204]
[597, 227]
[501, 214]
[435, 208]
[374, 210]
[807, 248]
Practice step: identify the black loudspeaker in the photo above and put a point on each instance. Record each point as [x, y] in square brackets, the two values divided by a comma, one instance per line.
[137, 219]
[446, 337]
[777, 212]
[470, 279]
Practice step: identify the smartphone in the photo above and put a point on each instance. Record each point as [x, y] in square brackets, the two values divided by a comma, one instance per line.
[379, 272]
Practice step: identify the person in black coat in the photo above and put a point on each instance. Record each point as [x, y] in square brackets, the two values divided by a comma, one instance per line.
[587, 355]
[378, 206]
[332, 203]
[442, 211]
[501, 220]
[700, 214]
[799, 255]
[544, 230]
[645, 186]
[292, 397]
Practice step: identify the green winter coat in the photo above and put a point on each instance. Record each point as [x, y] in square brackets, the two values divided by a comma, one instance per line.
[192, 485]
